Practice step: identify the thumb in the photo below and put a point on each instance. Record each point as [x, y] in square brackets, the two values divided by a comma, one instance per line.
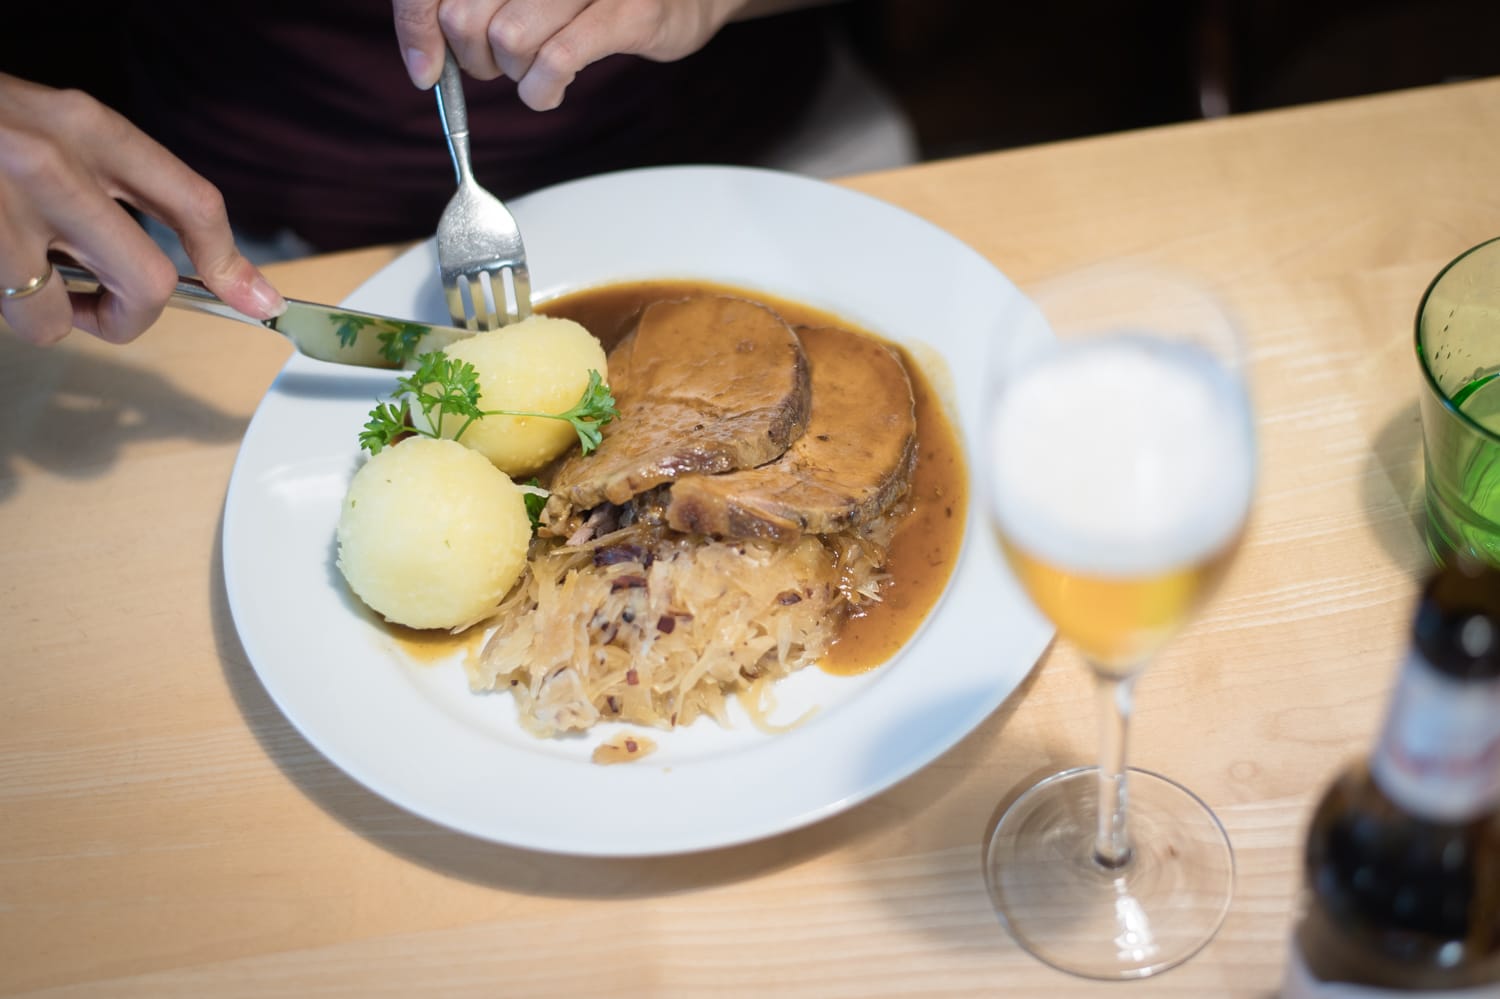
[241, 284]
[421, 40]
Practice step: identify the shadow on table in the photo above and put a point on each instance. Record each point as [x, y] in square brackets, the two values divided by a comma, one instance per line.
[1391, 489]
[73, 412]
[968, 922]
[482, 862]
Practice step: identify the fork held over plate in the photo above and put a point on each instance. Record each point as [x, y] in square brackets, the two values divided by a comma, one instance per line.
[480, 256]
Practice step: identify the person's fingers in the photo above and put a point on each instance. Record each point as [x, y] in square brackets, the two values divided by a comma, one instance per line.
[519, 29]
[465, 26]
[104, 238]
[421, 40]
[543, 44]
[661, 30]
[134, 274]
[65, 164]
[201, 221]
[43, 316]
[39, 315]
[51, 199]
[600, 29]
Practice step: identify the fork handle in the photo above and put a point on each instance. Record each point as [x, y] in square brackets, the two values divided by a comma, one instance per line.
[455, 112]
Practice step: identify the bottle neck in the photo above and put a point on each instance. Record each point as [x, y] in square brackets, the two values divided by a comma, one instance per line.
[1439, 753]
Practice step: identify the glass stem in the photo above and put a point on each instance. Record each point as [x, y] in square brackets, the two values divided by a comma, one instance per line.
[1116, 696]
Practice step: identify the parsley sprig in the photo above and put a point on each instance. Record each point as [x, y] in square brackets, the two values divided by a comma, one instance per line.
[442, 386]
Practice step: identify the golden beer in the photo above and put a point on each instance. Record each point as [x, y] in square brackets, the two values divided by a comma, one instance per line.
[1121, 479]
[1117, 622]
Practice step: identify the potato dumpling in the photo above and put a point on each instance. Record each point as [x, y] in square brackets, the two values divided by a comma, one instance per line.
[431, 534]
[538, 365]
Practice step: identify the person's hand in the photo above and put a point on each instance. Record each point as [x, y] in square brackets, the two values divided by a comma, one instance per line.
[65, 159]
[542, 44]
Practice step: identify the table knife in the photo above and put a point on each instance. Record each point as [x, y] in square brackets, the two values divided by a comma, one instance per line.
[326, 332]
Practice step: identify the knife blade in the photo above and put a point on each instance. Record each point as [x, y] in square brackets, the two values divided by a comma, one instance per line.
[326, 332]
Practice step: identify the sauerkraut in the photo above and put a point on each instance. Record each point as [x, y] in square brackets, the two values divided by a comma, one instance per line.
[651, 627]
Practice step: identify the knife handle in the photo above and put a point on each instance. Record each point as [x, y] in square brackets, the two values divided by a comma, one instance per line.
[190, 293]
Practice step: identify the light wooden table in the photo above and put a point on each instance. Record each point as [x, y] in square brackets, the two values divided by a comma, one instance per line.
[164, 831]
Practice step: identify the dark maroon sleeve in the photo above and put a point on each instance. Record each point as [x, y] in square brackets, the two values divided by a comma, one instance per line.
[303, 115]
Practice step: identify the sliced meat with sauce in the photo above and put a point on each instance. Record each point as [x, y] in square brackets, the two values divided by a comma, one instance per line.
[703, 385]
[854, 460]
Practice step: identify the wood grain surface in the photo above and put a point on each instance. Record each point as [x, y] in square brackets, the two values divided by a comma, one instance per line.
[164, 831]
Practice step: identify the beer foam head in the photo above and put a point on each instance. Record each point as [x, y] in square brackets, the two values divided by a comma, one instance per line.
[1122, 455]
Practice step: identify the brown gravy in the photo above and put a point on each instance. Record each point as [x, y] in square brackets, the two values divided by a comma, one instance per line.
[925, 549]
[430, 647]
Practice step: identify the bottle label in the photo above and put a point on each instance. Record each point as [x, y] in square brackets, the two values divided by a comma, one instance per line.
[1439, 754]
[1300, 983]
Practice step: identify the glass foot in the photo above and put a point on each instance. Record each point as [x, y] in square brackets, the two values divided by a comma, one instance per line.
[1154, 912]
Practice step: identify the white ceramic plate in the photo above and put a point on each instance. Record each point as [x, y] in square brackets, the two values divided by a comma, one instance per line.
[416, 735]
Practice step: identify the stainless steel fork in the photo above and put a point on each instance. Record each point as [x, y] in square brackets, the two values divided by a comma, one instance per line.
[480, 256]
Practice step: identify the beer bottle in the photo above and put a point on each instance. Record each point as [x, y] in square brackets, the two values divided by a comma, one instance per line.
[1402, 866]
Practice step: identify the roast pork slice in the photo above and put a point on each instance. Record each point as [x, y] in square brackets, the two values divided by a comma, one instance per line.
[704, 385]
[853, 462]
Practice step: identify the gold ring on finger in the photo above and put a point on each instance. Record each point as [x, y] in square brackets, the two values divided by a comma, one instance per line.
[31, 287]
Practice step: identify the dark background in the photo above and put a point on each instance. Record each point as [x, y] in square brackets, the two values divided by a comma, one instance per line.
[987, 74]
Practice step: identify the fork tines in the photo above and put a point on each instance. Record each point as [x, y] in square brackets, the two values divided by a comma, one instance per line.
[488, 299]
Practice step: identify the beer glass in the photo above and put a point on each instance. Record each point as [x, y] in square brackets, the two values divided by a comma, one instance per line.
[1458, 344]
[1120, 464]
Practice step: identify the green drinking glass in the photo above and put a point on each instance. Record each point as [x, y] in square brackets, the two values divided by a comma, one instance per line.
[1458, 345]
